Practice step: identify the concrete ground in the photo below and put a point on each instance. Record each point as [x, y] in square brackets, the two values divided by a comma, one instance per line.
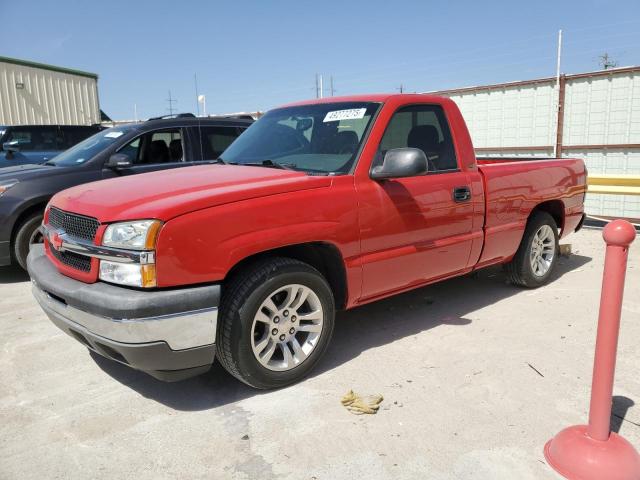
[476, 375]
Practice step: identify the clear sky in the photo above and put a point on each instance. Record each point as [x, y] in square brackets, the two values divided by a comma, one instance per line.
[251, 55]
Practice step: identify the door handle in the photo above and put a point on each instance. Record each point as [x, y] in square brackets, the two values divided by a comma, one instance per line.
[461, 194]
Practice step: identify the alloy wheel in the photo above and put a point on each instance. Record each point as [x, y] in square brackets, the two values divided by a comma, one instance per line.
[543, 250]
[287, 327]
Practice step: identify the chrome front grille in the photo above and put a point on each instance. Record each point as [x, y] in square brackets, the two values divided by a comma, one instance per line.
[72, 259]
[77, 226]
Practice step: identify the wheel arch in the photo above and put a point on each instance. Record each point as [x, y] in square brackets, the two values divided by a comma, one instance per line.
[555, 208]
[324, 257]
[34, 206]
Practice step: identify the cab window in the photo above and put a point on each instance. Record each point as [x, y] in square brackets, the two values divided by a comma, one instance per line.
[424, 127]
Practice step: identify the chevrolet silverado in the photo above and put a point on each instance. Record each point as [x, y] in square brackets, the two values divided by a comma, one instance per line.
[320, 205]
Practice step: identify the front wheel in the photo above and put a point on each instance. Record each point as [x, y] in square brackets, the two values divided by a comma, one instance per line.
[28, 233]
[537, 255]
[276, 320]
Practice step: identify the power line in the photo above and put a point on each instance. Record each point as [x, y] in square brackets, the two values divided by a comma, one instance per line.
[388, 72]
[530, 60]
[472, 56]
[608, 36]
[601, 26]
[358, 76]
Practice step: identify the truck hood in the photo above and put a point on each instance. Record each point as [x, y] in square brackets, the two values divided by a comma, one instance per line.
[169, 193]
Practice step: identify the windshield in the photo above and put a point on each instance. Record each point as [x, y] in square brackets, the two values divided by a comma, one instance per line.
[321, 138]
[90, 147]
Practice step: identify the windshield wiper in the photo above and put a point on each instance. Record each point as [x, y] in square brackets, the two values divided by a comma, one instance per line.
[49, 163]
[268, 164]
[219, 160]
[281, 166]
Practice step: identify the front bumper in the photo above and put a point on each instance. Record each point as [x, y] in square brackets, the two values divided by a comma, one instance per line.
[169, 334]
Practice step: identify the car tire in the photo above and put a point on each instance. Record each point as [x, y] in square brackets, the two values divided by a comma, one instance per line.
[26, 234]
[537, 255]
[260, 294]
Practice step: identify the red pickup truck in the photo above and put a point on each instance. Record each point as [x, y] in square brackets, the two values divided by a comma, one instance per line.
[320, 205]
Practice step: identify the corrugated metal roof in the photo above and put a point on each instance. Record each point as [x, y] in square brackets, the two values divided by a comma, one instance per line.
[27, 63]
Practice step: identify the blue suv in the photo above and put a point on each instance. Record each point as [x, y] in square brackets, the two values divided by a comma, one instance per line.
[24, 144]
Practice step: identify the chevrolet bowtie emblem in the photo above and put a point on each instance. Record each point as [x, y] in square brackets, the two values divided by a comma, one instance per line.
[55, 240]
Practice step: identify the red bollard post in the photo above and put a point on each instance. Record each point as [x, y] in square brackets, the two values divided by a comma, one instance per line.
[593, 452]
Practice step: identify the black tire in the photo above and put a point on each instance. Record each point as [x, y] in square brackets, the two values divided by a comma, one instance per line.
[26, 234]
[243, 295]
[519, 270]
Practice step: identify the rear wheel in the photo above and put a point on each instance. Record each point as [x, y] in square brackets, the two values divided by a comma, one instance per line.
[276, 320]
[537, 255]
[28, 233]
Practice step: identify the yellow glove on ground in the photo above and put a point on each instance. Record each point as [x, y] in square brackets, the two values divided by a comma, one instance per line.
[358, 405]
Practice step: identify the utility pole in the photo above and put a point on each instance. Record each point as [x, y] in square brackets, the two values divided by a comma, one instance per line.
[401, 88]
[195, 81]
[321, 90]
[333, 91]
[555, 148]
[607, 62]
[559, 55]
[317, 90]
[171, 101]
[135, 112]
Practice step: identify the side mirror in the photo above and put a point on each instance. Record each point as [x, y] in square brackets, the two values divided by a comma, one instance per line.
[118, 161]
[12, 146]
[401, 162]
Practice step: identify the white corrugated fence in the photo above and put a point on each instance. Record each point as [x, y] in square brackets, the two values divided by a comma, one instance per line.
[599, 121]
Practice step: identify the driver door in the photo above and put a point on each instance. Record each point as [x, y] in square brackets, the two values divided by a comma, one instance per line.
[413, 230]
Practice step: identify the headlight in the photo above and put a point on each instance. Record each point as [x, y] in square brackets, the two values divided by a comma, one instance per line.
[138, 235]
[135, 235]
[6, 185]
[130, 274]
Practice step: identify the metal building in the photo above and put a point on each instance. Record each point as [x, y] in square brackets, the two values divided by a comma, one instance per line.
[594, 115]
[35, 93]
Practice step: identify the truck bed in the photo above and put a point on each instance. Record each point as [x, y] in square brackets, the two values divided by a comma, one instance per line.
[513, 187]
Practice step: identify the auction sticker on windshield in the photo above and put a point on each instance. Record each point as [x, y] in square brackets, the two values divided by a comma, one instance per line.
[114, 134]
[350, 114]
